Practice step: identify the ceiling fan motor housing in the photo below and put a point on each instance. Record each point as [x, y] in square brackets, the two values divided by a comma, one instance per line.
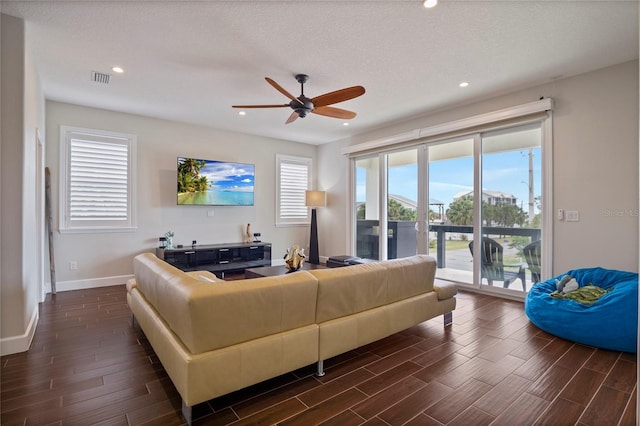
[302, 106]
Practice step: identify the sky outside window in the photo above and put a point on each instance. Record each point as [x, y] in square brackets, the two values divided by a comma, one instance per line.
[506, 171]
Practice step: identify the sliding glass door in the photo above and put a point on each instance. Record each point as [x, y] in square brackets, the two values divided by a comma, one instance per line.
[473, 202]
[450, 181]
[402, 203]
[390, 180]
[510, 207]
[367, 207]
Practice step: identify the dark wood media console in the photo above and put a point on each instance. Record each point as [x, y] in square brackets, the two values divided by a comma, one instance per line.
[218, 258]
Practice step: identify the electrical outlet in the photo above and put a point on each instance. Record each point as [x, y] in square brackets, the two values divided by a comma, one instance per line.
[210, 213]
[73, 265]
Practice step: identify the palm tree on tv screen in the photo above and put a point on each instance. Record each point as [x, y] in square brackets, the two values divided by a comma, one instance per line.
[189, 179]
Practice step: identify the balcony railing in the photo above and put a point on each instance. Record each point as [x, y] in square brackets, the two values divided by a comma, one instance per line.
[442, 230]
[402, 237]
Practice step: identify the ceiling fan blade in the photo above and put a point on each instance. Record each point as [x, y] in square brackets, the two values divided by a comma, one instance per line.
[292, 117]
[280, 89]
[260, 106]
[334, 112]
[338, 96]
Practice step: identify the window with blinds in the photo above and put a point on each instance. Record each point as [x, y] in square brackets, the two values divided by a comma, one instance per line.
[293, 179]
[96, 180]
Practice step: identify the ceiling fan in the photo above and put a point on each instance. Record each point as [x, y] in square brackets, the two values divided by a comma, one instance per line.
[302, 105]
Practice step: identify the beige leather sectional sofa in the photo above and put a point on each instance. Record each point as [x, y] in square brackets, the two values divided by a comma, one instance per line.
[214, 337]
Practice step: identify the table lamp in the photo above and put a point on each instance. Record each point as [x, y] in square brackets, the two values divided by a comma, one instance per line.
[314, 199]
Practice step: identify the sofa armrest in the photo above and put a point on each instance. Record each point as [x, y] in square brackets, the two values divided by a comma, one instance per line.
[131, 284]
[445, 289]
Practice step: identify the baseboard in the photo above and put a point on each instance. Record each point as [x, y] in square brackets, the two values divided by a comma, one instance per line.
[89, 283]
[22, 343]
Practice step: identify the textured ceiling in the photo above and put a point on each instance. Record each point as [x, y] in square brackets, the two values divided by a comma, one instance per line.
[190, 61]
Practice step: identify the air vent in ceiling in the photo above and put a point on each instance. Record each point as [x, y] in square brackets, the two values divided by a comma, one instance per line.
[100, 77]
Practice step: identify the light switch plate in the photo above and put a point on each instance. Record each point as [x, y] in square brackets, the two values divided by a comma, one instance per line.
[572, 216]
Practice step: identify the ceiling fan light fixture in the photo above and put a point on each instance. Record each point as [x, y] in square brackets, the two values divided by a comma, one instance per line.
[430, 3]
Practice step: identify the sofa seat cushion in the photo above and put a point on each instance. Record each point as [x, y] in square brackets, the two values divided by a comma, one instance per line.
[346, 291]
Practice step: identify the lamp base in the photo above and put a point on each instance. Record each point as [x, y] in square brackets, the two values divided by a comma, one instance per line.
[314, 256]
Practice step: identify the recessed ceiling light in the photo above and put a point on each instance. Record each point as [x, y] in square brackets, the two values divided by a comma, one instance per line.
[118, 70]
[242, 113]
[463, 84]
[345, 124]
[430, 3]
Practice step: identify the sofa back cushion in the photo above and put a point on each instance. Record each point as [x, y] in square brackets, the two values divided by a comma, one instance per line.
[353, 289]
[211, 315]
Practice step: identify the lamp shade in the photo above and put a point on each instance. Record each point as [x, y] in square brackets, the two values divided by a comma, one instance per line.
[315, 199]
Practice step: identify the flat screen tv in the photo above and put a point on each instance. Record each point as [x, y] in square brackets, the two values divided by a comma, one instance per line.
[214, 183]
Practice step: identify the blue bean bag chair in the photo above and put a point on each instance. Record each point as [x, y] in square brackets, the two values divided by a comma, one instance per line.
[610, 322]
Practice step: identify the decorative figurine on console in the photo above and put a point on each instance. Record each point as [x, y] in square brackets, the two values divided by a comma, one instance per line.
[247, 235]
[294, 258]
[169, 240]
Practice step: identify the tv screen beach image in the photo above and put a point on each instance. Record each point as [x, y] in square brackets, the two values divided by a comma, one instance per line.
[215, 183]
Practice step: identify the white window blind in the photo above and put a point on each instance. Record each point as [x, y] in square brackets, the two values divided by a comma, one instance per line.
[293, 178]
[96, 180]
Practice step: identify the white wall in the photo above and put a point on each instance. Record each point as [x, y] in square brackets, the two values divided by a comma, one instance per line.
[595, 166]
[106, 258]
[333, 176]
[33, 179]
[595, 170]
[21, 248]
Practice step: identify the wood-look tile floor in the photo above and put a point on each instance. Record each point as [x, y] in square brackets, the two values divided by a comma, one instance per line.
[88, 365]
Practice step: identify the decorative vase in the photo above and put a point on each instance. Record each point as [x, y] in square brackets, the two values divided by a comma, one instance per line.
[294, 258]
